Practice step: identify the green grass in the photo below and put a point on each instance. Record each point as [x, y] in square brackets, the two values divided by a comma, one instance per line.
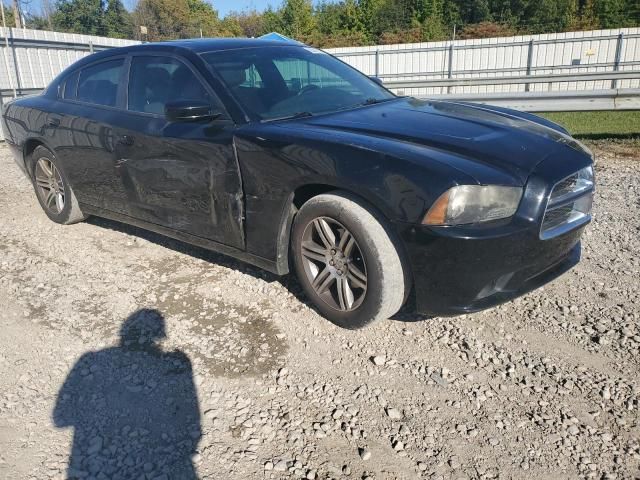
[597, 125]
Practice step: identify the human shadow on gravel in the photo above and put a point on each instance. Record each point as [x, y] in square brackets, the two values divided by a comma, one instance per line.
[133, 408]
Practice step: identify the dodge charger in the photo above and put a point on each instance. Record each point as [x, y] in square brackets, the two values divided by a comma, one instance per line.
[285, 157]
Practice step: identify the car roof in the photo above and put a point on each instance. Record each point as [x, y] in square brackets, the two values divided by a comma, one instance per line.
[214, 44]
[196, 45]
[199, 45]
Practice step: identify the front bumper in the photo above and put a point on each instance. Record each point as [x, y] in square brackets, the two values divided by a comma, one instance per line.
[469, 268]
[454, 273]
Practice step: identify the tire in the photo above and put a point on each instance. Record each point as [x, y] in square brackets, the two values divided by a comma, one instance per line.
[52, 189]
[371, 266]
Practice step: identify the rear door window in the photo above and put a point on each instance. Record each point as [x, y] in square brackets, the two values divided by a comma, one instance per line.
[98, 84]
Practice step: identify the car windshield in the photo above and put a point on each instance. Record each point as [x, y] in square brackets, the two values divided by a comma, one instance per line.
[289, 81]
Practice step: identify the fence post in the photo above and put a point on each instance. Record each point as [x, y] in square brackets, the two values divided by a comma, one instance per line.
[527, 86]
[450, 69]
[616, 61]
[17, 86]
[90, 46]
[377, 72]
[5, 54]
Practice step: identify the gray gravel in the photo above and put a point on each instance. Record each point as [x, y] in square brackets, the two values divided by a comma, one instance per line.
[246, 381]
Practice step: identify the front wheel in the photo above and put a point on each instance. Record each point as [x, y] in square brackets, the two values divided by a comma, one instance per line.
[348, 260]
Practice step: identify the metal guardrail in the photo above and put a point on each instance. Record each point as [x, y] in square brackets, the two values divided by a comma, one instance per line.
[7, 92]
[608, 66]
[551, 101]
[53, 44]
[565, 101]
[515, 79]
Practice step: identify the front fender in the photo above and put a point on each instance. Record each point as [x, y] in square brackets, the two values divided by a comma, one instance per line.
[275, 164]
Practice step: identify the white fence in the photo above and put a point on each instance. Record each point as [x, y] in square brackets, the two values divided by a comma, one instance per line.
[521, 56]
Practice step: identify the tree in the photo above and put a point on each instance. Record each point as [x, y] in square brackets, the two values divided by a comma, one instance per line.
[548, 16]
[117, 20]
[79, 16]
[36, 22]
[164, 19]
[368, 10]
[272, 20]
[297, 19]
[251, 23]
[487, 30]
[203, 19]
[475, 11]
[396, 19]
[329, 17]
[9, 19]
[615, 13]
[432, 13]
[17, 15]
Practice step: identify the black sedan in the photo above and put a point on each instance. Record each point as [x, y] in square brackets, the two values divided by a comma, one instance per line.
[281, 154]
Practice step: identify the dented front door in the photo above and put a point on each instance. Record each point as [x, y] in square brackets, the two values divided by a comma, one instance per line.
[182, 175]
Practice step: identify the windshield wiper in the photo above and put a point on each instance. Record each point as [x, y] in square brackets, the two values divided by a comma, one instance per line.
[289, 117]
[373, 101]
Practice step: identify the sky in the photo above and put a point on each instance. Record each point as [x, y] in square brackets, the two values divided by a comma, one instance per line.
[222, 6]
[225, 6]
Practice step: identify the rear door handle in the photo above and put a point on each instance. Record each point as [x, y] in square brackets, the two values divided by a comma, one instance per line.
[126, 140]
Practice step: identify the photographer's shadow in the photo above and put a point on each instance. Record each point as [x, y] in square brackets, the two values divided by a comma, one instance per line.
[133, 407]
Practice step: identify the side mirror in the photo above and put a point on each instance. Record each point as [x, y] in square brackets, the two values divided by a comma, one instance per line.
[189, 111]
[378, 80]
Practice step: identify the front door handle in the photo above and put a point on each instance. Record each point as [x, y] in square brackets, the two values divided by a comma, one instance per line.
[126, 140]
[53, 122]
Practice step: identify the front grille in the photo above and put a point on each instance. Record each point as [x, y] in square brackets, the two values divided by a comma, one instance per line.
[556, 217]
[564, 187]
[569, 204]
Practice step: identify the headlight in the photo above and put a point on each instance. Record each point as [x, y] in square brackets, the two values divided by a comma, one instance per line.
[472, 204]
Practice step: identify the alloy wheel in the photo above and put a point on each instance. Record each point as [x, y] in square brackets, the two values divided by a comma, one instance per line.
[334, 264]
[49, 185]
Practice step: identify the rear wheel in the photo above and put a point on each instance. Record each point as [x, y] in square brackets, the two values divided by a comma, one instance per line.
[53, 190]
[348, 261]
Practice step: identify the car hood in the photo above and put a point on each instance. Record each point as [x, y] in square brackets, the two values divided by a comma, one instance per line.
[510, 141]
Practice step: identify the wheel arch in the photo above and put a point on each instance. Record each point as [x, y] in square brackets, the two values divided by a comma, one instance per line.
[303, 193]
[28, 148]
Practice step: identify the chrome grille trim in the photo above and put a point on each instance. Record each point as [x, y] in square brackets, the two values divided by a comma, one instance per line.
[568, 205]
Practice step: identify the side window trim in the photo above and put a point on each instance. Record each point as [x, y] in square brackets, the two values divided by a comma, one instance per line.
[205, 85]
[64, 84]
[123, 84]
[118, 105]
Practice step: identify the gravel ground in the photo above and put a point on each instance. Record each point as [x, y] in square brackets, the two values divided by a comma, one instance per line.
[127, 355]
